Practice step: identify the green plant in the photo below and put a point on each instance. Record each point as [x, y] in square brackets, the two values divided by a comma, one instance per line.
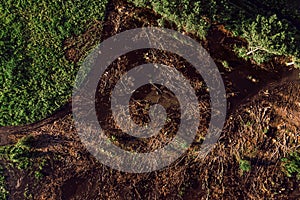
[289, 9]
[35, 77]
[267, 37]
[3, 191]
[291, 165]
[266, 34]
[38, 175]
[27, 194]
[40, 163]
[22, 156]
[182, 191]
[193, 16]
[226, 65]
[244, 165]
[19, 154]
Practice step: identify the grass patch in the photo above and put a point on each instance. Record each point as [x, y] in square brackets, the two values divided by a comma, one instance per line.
[35, 78]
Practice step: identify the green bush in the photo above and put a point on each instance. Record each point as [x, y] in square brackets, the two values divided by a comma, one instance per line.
[35, 78]
[267, 37]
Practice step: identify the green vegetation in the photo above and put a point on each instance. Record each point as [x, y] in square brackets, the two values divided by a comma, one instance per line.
[288, 9]
[191, 16]
[266, 37]
[292, 165]
[245, 165]
[3, 190]
[266, 34]
[38, 175]
[35, 78]
[18, 154]
[21, 156]
[27, 194]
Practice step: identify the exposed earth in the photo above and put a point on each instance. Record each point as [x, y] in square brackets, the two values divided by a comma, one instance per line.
[262, 127]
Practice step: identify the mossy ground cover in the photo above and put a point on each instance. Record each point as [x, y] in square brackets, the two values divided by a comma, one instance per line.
[35, 77]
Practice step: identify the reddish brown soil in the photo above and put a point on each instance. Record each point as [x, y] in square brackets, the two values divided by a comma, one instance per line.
[262, 127]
